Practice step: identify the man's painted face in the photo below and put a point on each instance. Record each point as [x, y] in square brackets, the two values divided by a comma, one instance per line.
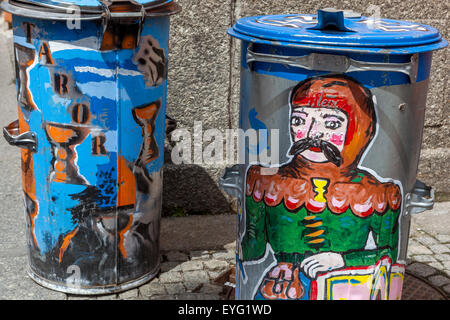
[318, 133]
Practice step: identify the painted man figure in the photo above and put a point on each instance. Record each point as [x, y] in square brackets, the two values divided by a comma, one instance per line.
[320, 212]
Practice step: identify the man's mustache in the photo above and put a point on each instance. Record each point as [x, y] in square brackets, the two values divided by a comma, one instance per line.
[330, 151]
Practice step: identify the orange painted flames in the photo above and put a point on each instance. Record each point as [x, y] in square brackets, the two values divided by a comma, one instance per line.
[122, 237]
[127, 184]
[66, 241]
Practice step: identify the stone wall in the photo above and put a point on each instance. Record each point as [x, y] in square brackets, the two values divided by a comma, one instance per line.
[204, 86]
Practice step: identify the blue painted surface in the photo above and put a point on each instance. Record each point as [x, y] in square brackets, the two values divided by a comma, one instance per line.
[263, 136]
[111, 85]
[391, 35]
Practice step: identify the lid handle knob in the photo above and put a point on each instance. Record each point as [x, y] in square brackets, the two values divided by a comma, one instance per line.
[330, 19]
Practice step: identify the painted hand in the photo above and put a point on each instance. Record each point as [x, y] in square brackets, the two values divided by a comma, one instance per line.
[282, 282]
[322, 262]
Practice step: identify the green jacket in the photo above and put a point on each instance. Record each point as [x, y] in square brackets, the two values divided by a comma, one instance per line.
[294, 235]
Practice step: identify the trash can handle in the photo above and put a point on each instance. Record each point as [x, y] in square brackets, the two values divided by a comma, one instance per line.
[334, 63]
[25, 140]
[420, 199]
[231, 181]
[330, 20]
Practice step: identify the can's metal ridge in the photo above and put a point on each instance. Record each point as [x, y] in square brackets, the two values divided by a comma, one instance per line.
[440, 44]
[78, 290]
[63, 12]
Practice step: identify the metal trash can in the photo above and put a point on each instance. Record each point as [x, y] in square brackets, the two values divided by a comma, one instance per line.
[91, 89]
[330, 218]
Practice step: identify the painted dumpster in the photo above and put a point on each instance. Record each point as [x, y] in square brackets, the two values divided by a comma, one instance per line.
[329, 219]
[91, 89]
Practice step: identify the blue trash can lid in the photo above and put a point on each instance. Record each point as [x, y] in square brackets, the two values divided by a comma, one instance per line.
[333, 29]
[88, 9]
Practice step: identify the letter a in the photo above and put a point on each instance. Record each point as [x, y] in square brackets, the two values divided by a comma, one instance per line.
[45, 55]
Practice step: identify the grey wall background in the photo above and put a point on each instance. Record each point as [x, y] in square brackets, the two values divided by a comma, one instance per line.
[204, 64]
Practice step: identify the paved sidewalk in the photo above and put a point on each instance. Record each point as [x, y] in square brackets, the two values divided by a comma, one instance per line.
[195, 250]
[429, 246]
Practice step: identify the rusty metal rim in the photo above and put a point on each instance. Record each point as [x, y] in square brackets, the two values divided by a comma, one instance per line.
[93, 290]
[63, 7]
[49, 12]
